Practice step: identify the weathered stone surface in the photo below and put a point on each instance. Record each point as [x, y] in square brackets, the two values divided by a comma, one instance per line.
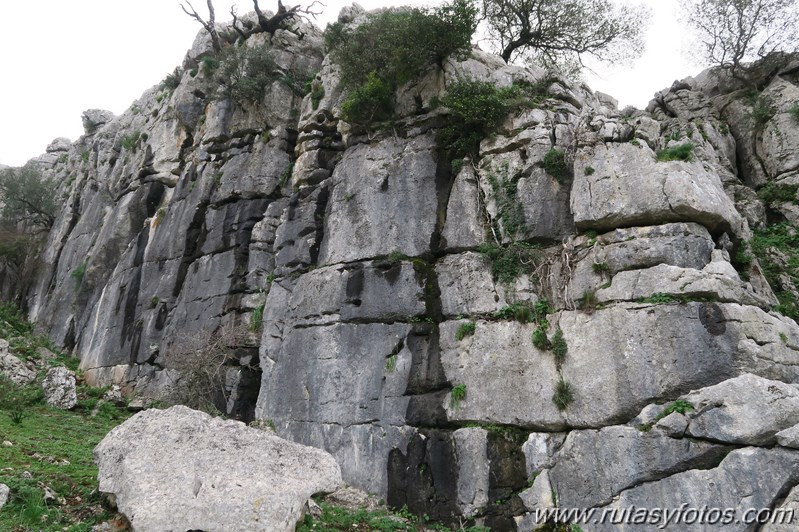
[747, 478]
[59, 388]
[501, 350]
[593, 466]
[628, 187]
[786, 514]
[745, 410]
[94, 119]
[190, 471]
[540, 450]
[466, 285]
[780, 137]
[464, 226]
[789, 437]
[13, 368]
[471, 445]
[539, 496]
[373, 184]
[680, 282]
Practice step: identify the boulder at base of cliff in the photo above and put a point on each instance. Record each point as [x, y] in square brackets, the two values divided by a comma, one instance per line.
[60, 390]
[180, 469]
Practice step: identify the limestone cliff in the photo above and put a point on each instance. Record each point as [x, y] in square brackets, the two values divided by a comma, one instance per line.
[391, 334]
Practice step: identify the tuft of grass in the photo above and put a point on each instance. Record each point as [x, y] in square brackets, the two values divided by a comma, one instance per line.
[257, 317]
[589, 170]
[131, 141]
[540, 340]
[391, 363]
[395, 257]
[658, 298]
[559, 347]
[521, 312]
[588, 302]
[457, 395]
[508, 263]
[680, 152]
[763, 110]
[464, 330]
[563, 396]
[79, 273]
[600, 268]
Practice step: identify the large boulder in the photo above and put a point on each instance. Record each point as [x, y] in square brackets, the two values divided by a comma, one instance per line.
[180, 469]
[13, 368]
[60, 388]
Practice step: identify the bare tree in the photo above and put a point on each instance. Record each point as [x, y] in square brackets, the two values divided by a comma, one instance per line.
[266, 24]
[561, 31]
[731, 33]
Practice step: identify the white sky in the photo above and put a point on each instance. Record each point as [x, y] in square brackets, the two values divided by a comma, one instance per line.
[61, 57]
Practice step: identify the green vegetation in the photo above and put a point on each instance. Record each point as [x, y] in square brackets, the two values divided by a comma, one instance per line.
[540, 340]
[131, 141]
[556, 165]
[763, 110]
[793, 110]
[680, 406]
[680, 152]
[658, 298]
[457, 395]
[777, 250]
[522, 312]
[588, 302]
[79, 273]
[589, 170]
[563, 395]
[391, 363]
[257, 317]
[464, 330]
[510, 212]
[172, 80]
[559, 347]
[395, 257]
[317, 93]
[393, 47]
[54, 446]
[508, 263]
[600, 268]
[775, 192]
[27, 197]
[334, 519]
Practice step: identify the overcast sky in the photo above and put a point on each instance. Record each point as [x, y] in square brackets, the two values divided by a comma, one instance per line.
[61, 57]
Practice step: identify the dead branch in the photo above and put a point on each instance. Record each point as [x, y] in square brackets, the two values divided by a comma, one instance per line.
[271, 24]
[209, 25]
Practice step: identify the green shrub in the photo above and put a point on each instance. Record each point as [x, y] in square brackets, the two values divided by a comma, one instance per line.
[559, 347]
[680, 152]
[521, 312]
[540, 340]
[588, 302]
[556, 165]
[172, 80]
[563, 395]
[508, 263]
[763, 110]
[510, 212]
[131, 141]
[659, 298]
[773, 192]
[79, 273]
[242, 74]
[589, 170]
[464, 330]
[369, 102]
[794, 112]
[257, 317]
[777, 250]
[317, 93]
[457, 395]
[541, 309]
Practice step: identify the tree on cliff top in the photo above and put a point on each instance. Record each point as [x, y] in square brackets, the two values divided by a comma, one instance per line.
[731, 33]
[558, 32]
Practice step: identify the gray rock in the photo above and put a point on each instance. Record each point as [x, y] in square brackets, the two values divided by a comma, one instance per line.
[789, 437]
[467, 287]
[780, 135]
[471, 445]
[745, 410]
[191, 471]
[786, 515]
[628, 187]
[593, 466]
[94, 119]
[13, 368]
[673, 425]
[540, 450]
[539, 496]
[60, 388]
[59, 145]
[4, 492]
[464, 227]
[746, 478]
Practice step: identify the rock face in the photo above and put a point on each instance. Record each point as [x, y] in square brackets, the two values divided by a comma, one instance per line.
[465, 337]
[13, 368]
[189, 471]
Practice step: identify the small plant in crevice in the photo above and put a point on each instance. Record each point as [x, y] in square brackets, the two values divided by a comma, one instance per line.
[635, 142]
[556, 164]
[457, 395]
[793, 110]
[681, 406]
[154, 302]
[680, 152]
[508, 263]
[510, 211]
[257, 317]
[464, 330]
[391, 363]
[600, 268]
[563, 396]
[79, 273]
[658, 298]
[540, 339]
[559, 347]
[589, 170]
[763, 110]
[396, 257]
[778, 193]
[541, 308]
[131, 141]
[521, 311]
[588, 302]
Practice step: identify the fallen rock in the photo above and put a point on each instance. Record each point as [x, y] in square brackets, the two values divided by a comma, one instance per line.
[180, 469]
[60, 388]
[789, 437]
[13, 368]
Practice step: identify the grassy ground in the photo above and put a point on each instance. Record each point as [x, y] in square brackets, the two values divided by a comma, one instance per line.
[46, 453]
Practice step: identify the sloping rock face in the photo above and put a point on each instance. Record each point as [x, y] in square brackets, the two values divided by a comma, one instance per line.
[188, 470]
[412, 308]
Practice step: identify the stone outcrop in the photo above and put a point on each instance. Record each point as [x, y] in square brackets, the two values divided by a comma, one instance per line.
[188, 470]
[473, 340]
[13, 368]
[59, 388]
